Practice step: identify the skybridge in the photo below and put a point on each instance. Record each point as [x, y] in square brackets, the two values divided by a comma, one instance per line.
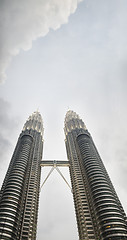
[55, 164]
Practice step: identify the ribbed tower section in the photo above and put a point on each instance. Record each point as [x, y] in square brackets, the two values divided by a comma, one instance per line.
[19, 196]
[99, 213]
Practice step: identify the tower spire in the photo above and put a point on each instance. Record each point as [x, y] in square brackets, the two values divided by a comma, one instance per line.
[34, 122]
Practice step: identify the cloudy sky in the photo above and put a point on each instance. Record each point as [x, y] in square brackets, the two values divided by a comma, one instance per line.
[57, 55]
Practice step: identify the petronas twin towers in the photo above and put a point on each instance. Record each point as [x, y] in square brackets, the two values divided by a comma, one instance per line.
[99, 213]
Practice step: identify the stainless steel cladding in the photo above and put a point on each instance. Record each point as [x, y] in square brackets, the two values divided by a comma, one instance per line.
[19, 195]
[98, 210]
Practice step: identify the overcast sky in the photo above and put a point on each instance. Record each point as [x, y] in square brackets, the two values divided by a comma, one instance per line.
[57, 55]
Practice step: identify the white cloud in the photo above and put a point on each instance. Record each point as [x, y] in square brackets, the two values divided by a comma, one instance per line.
[23, 22]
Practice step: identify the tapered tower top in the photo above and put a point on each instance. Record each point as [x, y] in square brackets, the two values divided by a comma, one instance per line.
[34, 122]
[70, 115]
[73, 121]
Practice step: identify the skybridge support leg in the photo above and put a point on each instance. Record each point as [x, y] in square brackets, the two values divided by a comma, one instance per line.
[55, 165]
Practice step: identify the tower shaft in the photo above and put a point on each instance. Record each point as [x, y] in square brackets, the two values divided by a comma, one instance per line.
[99, 212]
[19, 194]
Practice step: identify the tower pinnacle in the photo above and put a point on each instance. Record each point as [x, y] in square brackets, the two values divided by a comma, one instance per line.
[34, 122]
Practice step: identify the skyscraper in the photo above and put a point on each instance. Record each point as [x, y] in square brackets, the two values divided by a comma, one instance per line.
[19, 194]
[99, 213]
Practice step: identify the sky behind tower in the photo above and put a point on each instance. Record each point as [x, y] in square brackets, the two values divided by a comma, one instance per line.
[53, 60]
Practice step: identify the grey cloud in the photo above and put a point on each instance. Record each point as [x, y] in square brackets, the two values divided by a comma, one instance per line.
[8, 127]
[4, 146]
[21, 23]
[7, 124]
